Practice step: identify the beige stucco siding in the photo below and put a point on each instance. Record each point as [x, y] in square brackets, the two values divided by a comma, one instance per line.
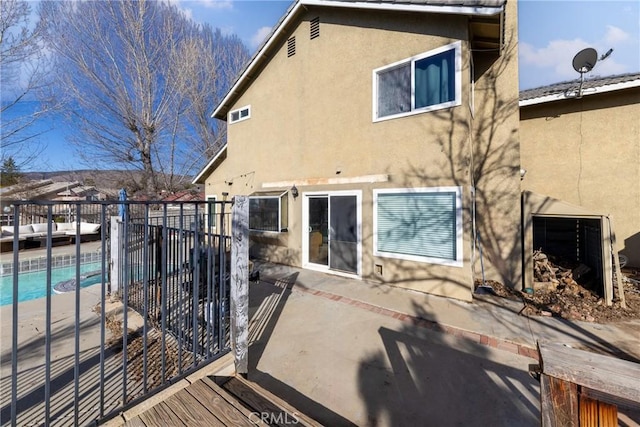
[587, 152]
[315, 108]
[311, 117]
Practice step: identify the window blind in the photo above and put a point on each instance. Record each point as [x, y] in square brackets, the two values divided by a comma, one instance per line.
[417, 224]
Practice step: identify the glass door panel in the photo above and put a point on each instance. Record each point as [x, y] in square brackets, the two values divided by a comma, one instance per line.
[318, 230]
[343, 233]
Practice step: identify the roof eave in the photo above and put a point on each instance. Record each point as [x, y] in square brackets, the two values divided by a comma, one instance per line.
[408, 7]
[205, 170]
[586, 92]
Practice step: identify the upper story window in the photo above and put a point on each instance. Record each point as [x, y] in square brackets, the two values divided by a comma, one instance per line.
[240, 114]
[425, 82]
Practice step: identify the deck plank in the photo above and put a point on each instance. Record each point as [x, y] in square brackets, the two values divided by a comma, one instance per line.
[190, 411]
[205, 403]
[219, 406]
[257, 402]
[135, 422]
[160, 416]
[270, 400]
[232, 401]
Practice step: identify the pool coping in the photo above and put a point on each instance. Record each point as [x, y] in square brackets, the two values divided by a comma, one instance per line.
[41, 263]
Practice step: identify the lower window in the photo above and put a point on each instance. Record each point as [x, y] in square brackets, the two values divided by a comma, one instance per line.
[211, 211]
[268, 211]
[419, 224]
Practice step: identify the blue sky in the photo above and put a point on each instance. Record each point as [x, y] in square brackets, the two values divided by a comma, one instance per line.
[550, 34]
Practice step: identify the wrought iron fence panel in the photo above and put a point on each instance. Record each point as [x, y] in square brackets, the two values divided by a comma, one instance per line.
[144, 302]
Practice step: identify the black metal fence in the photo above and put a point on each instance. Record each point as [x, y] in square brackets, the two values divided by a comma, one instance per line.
[151, 307]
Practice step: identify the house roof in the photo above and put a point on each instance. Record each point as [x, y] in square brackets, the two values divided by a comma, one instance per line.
[478, 8]
[450, 3]
[220, 155]
[566, 90]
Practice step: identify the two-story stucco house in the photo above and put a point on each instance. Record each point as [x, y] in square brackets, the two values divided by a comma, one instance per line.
[379, 140]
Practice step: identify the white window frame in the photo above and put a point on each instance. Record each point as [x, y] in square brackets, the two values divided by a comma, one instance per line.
[457, 46]
[239, 111]
[211, 198]
[458, 261]
[279, 197]
[305, 231]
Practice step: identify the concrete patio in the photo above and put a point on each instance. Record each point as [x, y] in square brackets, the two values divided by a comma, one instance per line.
[347, 352]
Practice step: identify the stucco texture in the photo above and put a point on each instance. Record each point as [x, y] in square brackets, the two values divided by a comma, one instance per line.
[587, 152]
[311, 121]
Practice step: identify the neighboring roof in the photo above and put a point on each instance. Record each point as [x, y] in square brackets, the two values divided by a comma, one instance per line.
[80, 190]
[24, 186]
[263, 54]
[45, 189]
[566, 90]
[184, 196]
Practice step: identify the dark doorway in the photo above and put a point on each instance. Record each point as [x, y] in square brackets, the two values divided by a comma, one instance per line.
[572, 242]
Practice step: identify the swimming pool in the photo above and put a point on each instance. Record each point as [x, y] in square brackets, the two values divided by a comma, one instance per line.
[33, 285]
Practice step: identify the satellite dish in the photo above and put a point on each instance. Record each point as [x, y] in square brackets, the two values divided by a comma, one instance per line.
[585, 60]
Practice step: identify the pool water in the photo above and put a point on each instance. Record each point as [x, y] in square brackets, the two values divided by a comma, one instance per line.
[33, 285]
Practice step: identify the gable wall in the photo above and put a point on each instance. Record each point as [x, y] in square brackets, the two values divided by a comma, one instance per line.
[314, 109]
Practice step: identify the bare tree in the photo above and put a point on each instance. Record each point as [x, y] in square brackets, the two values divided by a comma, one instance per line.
[122, 66]
[23, 78]
[207, 65]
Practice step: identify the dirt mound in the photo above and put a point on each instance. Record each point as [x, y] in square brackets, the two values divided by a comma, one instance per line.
[566, 291]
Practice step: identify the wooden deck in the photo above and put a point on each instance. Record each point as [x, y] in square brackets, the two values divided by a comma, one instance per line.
[203, 403]
[237, 402]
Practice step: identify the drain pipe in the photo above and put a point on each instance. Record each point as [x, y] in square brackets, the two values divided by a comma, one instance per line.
[484, 288]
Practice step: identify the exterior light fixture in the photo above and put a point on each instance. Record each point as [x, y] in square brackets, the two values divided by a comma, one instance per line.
[294, 191]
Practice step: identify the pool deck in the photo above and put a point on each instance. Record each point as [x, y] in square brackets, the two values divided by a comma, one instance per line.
[31, 338]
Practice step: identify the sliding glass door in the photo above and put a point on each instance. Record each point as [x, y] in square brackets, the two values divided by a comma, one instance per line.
[333, 231]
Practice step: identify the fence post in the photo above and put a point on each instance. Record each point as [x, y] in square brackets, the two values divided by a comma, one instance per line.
[116, 236]
[239, 298]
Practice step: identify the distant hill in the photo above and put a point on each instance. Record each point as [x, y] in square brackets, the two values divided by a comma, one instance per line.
[102, 179]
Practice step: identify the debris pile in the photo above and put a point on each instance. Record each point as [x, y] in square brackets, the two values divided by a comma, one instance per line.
[550, 275]
[568, 290]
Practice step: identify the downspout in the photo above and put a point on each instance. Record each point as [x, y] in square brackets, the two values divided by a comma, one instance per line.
[475, 236]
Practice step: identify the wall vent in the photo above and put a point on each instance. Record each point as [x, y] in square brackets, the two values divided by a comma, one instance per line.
[291, 46]
[314, 28]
